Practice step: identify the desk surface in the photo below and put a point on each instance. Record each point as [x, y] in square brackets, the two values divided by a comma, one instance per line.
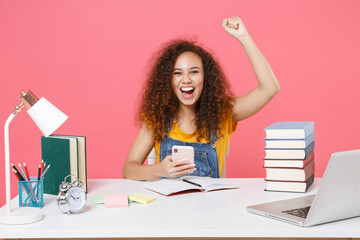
[213, 214]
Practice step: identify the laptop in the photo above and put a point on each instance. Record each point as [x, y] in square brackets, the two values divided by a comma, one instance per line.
[337, 198]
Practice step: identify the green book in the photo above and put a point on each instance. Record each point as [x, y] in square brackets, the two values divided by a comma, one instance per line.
[62, 154]
[82, 169]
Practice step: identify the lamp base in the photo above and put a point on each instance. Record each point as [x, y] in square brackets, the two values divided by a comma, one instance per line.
[21, 215]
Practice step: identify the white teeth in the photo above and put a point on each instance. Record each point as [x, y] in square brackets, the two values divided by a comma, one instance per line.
[185, 89]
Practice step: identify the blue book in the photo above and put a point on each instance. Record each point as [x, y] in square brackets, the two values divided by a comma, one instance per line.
[289, 143]
[289, 130]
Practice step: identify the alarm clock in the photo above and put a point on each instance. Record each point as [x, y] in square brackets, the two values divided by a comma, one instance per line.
[71, 197]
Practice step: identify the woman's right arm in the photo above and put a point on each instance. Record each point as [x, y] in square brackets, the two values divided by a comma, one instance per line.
[134, 167]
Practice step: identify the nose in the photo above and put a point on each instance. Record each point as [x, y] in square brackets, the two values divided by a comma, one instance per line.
[187, 78]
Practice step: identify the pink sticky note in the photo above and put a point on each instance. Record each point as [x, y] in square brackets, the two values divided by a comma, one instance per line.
[116, 201]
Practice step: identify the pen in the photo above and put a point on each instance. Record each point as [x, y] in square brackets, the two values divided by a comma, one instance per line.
[196, 184]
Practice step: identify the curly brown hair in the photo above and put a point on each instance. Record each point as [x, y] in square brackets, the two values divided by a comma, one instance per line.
[159, 104]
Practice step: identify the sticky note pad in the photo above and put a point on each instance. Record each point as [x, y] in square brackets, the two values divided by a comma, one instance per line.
[98, 199]
[141, 198]
[116, 201]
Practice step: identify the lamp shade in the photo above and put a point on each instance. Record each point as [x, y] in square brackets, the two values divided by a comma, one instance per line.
[46, 116]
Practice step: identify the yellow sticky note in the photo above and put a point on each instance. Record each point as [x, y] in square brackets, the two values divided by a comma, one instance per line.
[141, 198]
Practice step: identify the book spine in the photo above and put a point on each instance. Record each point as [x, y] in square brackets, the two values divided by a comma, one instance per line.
[309, 149]
[309, 139]
[309, 170]
[309, 129]
[309, 159]
[310, 181]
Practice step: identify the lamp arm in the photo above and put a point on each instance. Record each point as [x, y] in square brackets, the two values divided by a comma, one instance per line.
[7, 162]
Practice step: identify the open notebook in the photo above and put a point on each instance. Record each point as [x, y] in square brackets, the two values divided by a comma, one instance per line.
[172, 186]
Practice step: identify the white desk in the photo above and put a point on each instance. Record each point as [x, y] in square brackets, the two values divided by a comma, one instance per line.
[213, 214]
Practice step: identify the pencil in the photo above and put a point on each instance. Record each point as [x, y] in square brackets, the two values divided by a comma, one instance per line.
[28, 179]
[22, 170]
[46, 169]
[39, 172]
[18, 172]
[21, 179]
[26, 171]
[18, 175]
[42, 167]
[14, 171]
[196, 184]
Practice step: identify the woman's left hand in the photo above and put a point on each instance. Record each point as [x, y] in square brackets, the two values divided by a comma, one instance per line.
[235, 27]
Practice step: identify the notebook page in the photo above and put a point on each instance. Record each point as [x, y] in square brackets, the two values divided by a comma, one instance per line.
[169, 186]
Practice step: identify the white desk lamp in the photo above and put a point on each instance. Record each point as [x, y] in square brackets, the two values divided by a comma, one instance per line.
[48, 118]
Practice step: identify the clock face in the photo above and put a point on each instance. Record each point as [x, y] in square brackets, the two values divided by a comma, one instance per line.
[76, 199]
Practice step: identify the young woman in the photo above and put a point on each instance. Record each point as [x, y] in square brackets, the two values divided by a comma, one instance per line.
[187, 101]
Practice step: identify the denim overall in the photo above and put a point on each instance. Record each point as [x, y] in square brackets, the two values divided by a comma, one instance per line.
[205, 156]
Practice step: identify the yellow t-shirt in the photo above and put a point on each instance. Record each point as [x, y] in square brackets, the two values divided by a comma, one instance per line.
[227, 128]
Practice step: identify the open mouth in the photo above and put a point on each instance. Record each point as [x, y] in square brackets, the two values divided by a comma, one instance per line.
[187, 91]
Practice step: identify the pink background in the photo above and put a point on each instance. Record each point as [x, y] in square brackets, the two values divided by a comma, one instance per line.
[89, 58]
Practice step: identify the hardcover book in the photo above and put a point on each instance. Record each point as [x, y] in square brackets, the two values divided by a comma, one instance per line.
[82, 169]
[61, 154]
[67, 155]
[289, 130]
[290, 143]
[289, 163]
[290, 174]
[289, 153]
[283, 186]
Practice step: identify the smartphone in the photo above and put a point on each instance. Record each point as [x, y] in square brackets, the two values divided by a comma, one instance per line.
[186, 152]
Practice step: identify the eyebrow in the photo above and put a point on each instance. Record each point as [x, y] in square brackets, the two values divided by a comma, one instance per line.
[190, 68]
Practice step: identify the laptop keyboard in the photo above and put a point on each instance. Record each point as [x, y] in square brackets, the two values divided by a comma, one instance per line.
[298, 212]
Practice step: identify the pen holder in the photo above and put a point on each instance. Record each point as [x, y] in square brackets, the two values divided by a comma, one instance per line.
[31, 193]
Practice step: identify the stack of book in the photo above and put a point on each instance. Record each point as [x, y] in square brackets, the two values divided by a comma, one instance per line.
[289, 156]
